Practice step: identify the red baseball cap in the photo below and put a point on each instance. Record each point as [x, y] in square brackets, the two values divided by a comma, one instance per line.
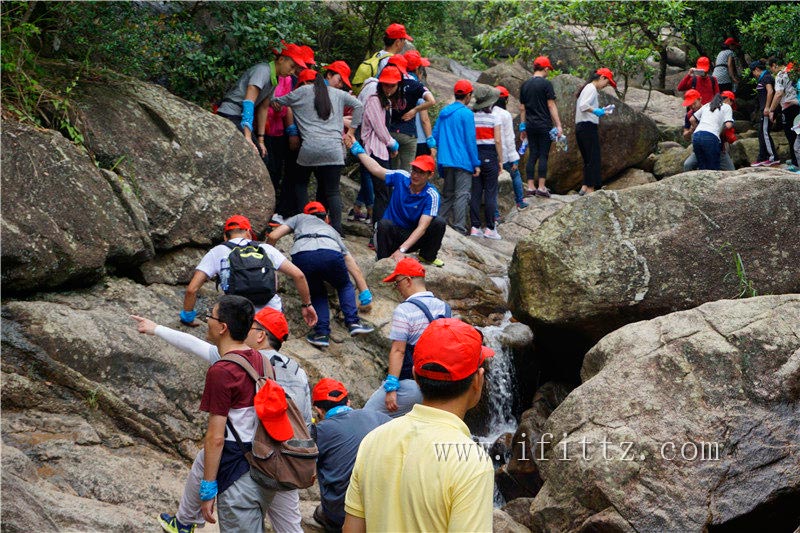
[271, 406]
[503, 91]
[728, 94]
[690, 96]
[415, 60]
[408, 266]
[425, 163]
[306, 75]
[703, 63]
[274, 321]
[390, 75]
[308, 54]
[322, 391]
[342, 69]
[731, 41]
[293, 52]
[606, 73]
[542, 62]
[399, 61]
[238, 222]
[312, 208]
[452, 344]
[397, 31]
[462, 87]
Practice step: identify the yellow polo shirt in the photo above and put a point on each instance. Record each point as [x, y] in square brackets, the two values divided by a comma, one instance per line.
[422, 472]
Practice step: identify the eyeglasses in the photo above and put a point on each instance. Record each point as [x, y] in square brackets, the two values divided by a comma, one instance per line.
[258, 329]
[399, 279]
[209, 316]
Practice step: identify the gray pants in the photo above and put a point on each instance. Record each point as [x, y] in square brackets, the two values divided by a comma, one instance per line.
[408, 150]
[725, 162]
[242, 506]
[456, 196]
[284, 510]
[407, 396]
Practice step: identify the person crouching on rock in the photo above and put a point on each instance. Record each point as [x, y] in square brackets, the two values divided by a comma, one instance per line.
[319, 252]
[587, 119]
[691, 101]
[711, 119]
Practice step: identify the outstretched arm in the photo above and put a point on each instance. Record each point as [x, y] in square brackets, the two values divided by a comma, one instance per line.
[179, 339]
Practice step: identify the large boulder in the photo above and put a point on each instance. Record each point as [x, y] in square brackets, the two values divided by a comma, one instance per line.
[670, 162]
[632, 177]
[626, 137]
[688, 422]
[49, 237]
[190, 169]
[615, 257]
[509, 75]
[663, 109]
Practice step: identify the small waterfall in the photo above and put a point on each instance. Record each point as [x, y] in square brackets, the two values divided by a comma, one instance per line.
[501, 385]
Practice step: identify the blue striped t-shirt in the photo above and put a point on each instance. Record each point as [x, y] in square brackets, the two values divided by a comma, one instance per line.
[406, 208]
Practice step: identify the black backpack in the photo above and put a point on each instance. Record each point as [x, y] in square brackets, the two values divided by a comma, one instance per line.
[251, 273]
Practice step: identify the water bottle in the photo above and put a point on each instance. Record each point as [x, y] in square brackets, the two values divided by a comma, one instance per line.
[523, 147]
[224, 273]
[562, 143]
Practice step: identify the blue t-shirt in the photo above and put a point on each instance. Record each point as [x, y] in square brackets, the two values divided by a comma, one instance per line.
[406, 208]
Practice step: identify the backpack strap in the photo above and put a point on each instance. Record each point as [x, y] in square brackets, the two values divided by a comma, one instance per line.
[314, 236]
[269, 372]
[233, 246]
[422, 307]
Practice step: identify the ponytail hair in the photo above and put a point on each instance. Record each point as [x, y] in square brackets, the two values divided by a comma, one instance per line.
[322, 100]
[716, 102]
[593, 77]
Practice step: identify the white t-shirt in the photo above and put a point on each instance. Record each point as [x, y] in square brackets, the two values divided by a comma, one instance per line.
[784, 85]
[587, 101]
[213, 260]
[713, 121]
[510, 154]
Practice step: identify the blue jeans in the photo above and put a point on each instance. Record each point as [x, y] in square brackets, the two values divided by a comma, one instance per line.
[516, 181]
[706, 147]
[320, 266]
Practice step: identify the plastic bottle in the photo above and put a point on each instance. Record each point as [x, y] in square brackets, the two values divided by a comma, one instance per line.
[523, 147]
[562, 143]
[224, 274]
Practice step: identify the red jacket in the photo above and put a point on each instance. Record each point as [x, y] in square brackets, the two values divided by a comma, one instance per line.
[707, 85]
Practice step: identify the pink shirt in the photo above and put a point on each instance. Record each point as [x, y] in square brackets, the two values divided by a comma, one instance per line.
[275, 119]
[374, 133]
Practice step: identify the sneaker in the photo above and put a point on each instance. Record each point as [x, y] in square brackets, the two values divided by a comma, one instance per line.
[359, 329]
[772, 163]
[759, 163]
[351, 215]
[522, 205]
[371, 244]
[492, 234]
[367, 220]
[530, 192]
[318, 340]
[475, 232]
[170, 524]
[436, 262]
[543, 193]
[275, 221]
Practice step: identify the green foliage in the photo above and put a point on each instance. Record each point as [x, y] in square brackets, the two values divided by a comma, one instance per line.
[774, 31]
[746, 288]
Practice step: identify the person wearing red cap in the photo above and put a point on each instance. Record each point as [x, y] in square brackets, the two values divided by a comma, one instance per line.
[319, 114]
[699, 78]
[320, 253]
[394, 40]
[411, 220]
[267, 334]
[691, 101]
[426, 144]
[407, 477]
[246, 104]
[725, 69]
[710, 121]
[338, 433]
[215, 264]
[510, 153]
[457, 155]
[784, 103]
[587, 119]
[538, 115]
[337, 75]
[399, 392]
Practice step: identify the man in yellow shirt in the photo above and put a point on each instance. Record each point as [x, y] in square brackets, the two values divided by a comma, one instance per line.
[421, 471]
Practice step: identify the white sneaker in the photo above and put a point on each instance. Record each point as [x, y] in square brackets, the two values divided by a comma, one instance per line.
[475, 232]
[492, 234]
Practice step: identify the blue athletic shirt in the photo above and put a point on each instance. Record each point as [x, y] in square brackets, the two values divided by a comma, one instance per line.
[406, 208]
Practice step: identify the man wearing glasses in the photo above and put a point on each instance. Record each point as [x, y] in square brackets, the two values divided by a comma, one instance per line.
[399, 392]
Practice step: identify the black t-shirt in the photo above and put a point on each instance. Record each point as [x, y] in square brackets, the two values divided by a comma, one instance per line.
[534, 95]
[409, 93]
[761, 89]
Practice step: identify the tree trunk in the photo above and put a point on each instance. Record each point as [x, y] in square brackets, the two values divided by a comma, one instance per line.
[662, 66]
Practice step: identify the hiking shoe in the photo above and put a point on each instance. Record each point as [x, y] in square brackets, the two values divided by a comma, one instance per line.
[522, 205]
[475, 232]
[436, 262]
[170, 524]
[543, 193]
[359, 329]
[492, 234]
[318, 340]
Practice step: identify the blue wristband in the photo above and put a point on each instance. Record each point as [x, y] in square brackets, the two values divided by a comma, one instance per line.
[599, 111]
[357, 149]
[208, 489]
[522, 127]
[395, 146]
[431, 142]
[291, 130]
[365, 297]
[187, 317]
[391, 384]
[248, 110]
